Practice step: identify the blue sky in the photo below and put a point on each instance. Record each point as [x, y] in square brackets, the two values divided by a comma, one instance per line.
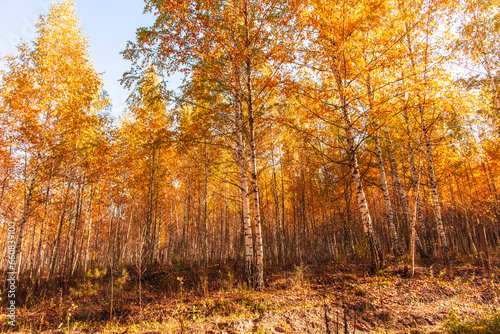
[109, 24]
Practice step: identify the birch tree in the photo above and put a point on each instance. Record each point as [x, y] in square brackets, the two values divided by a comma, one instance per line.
[50, 88]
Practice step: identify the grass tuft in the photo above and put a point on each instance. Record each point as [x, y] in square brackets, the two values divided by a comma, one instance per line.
[489, 324]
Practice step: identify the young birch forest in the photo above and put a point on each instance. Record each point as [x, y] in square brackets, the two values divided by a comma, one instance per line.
[304, 133]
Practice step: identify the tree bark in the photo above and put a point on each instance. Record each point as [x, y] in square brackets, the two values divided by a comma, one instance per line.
[415, 183]
[25, 216]
[373, 244]
[259, 251]
[404, 197]
[245, 200]
[467, 224]
[89, 227]
[396, 247]
[58, 232]
[434, 193]
[205, 211]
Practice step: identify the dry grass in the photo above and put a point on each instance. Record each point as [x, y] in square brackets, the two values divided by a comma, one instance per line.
[327, 298]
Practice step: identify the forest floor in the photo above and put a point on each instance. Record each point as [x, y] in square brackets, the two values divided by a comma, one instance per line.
[321, 298]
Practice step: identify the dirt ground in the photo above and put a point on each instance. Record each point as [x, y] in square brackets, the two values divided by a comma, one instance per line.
[323, 298]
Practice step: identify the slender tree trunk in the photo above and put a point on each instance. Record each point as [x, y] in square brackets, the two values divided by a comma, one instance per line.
[78, 211]
[111, 259]
[415, 184]
[280, 232]
[58, 232]
[413, 230]
[241, 156]
[245, 197]
[338, 65]
[433, 188]
[492, 179]
[150, 228]
[484, 247]
[39, 259]
[387, 200]
[25, 216]
[492, 188]
[375, 251]
[259, 251]
[396, 248]
[283, 206]
[373, 244]
[89, 228]
[31, 187]
[4, 181]
[432, 176]
[467, 224]
[403, 195]
[205, 218]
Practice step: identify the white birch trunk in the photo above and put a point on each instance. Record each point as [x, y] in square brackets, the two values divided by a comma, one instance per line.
[373, 244]
[403, 195]
[259, 251]
[245, 198]
[396, 247]
[415, 184]
[434, 192]
[375, 251]
[241, 158]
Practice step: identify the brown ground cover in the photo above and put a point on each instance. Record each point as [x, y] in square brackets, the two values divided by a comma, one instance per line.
[320, 298]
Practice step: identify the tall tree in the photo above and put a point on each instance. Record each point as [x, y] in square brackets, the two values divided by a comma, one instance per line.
[240, 46]
[50, 89]
[145, 135]
[338, 27]
[420, 28]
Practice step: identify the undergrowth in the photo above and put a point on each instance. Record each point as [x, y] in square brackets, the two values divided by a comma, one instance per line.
[187, 299]
[490, 324]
